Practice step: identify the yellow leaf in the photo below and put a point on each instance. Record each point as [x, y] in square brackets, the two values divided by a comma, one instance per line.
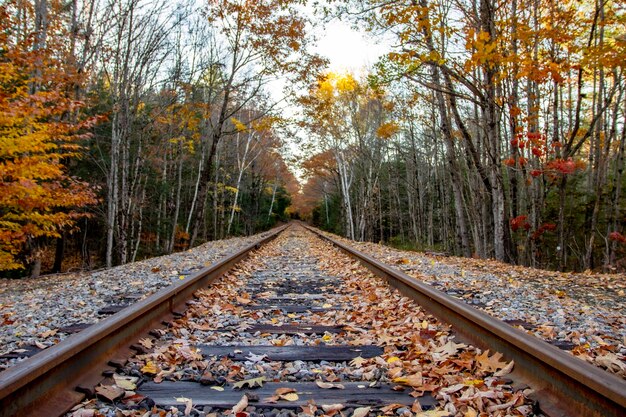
[327, 338]
[150, 368]
[292, 396]
[393, 359]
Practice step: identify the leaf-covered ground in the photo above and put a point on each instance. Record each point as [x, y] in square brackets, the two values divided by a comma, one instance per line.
[32, 311]
[583, 313]
[420, 355]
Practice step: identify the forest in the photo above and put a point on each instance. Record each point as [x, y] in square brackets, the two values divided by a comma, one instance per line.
[135, 128]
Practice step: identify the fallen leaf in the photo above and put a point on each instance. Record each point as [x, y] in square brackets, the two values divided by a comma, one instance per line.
[84, 413]
[393, 359]
[309, 409]
[292, 396]
[332, 409]
[361, 411]
[490, 364]
[150, 368]
[328, 385]
[188, 404]
[284, 390]
[110, 392]
[251, 383]
[411, 380]
[451, 348]
[241, 405]
[146, 342]
[127, 383]
[256, 358]
[433, 413]
[216, 388]
[358, 361]
[506, 370]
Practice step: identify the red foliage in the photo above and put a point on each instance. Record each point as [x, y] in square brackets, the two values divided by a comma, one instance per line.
[542, 229]
[510, 162]
[617, 237]
[536, 172]
[519, 222]
[564, 166]
[537, 152]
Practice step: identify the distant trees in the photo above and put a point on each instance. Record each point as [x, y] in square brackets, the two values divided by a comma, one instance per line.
[511, 127]
[187, 144]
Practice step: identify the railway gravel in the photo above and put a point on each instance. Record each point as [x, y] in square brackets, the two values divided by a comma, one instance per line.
[582, 313]
[35, 312]
[299, 282]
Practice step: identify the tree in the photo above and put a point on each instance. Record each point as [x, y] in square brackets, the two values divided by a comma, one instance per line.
[38, 199]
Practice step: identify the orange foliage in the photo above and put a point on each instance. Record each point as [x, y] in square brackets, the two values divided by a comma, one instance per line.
[37, 197]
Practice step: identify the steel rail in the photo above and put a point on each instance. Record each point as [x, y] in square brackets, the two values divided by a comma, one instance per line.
[563, 384]
[45, 384]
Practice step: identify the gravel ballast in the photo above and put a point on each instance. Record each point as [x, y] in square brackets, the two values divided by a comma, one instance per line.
[33, 312]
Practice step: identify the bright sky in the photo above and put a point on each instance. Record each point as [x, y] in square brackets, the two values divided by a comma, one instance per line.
[347, 49]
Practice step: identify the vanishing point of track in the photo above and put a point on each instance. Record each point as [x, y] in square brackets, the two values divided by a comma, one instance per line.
[51, 382]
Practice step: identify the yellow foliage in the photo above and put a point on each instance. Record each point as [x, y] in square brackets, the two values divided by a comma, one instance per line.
[387, 130]
[238, 125]
[37, 198]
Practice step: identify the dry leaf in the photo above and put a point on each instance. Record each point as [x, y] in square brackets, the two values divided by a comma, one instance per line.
[292, 396]
[328, 385]
[433, 413]
[331, 409]
[284, 390]
[506, 370]
[188, 404]
[84, 413]
[361, 411]
[110, 392]
[411, 380]
[490, 364]
[241, 405]
[309, 409]
[251, 383]
[358, 361]
[127, 383]
[150, 368]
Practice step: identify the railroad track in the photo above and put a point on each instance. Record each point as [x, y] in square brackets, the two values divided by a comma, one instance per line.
[297, 326]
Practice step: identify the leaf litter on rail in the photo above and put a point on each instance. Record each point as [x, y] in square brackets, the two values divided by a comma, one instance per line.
[420, 353]
[585, 310]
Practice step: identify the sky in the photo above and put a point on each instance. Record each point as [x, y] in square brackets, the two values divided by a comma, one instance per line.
[348, 49]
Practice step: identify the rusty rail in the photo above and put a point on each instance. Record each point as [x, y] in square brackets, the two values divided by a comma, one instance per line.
[45, 385]
[563, 385]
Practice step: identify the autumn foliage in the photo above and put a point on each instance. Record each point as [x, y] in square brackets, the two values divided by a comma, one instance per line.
[37, 197]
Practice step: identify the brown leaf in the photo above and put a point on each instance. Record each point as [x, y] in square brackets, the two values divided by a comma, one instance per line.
[310, 408]
[283, 391]
[332, 409]
[506, 370]
[110, 392]
[490, 364]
